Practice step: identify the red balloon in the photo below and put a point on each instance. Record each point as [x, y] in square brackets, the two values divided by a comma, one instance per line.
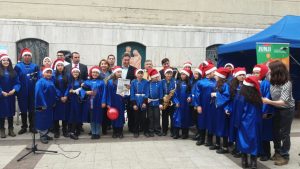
[112, 113]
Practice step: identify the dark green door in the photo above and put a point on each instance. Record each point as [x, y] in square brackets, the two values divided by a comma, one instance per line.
[134, 46]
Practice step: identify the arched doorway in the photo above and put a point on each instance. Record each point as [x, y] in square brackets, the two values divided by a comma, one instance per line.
[38, 47]
[212, 53]
[121, 48]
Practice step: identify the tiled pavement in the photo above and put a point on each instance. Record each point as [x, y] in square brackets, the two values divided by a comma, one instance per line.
[127, 153]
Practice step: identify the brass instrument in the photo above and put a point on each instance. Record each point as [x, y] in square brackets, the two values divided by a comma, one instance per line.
[167, 99]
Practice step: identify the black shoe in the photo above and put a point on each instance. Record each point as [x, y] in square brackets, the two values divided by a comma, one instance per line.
[97, 136]
[253, 162]
[65, 134]
[222, 151]
[158, 133]
[56, 135]
[121, 135]
[264, 158]
[136, 135]
[237, 155]
[151, 134]
[200, 142]
[93, 136]
[172, 134]
[164, 133]
[244, 161]
[73, 136]
[22, 131]
[185, 136]
[146, 134]
[33, 130]
[208, 144]
[48, 137]
[44, 140]
[196, 137]
[214, 147]
[114, 135]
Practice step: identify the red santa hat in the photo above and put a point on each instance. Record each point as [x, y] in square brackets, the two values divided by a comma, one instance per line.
[47, 58]
[116, 69]
[199, 71]
[239, 71]
[206, 62]
[222, 72]
[168, 70]
[56, 62]
[26, 51]
[262, 69]
[229, 64]
[153, 73]
[189, 64]
[187, 72]
[46, 68]
[3, 56]
[252, 81]
[209, 68]
[75, 69]
[138, 70]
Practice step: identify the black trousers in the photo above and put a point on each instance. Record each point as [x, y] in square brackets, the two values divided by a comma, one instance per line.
[130, 116]
[266, 148]
[153, 114]
[282, 122]
[139, 117]
[57, 126]
[24, 120]
[10, 121]
[167, 115]
[224, 139]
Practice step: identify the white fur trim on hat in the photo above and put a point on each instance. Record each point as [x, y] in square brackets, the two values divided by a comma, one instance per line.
[154, 76]
[239, 73]
[75, 69]
[257, 69]
[58, 62]
[220, 75]
[210, 70]
[24, 53]
[4, 57]
[139, 70]
[248, 84]
[46, 69]
[47, 58]
[116, 70]
[229, 64]
[198, 70]
[187, 64]
[168, 70]
[95, 70]
[185, 72]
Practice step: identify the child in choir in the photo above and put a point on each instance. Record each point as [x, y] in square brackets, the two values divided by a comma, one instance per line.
[222, 96]
[261, 71]
[96, 100]
[188, 65]
[155, 96]
[45, 100]
[27, 74]
[169, 87]
[205, 104]
[47, 62]
[138, 98]
[239, 75]
[250, 121]
[116, 101]
[61, 109]
[230, 67]
[196, 78]
[9, 85]
[75, 95]
[183, 115]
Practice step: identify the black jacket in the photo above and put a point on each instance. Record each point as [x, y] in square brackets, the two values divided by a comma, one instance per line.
[83, 70]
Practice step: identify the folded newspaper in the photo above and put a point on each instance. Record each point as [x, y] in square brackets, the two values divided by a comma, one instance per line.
[121, 87]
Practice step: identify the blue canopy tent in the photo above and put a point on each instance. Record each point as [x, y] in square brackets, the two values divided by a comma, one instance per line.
[243, 53]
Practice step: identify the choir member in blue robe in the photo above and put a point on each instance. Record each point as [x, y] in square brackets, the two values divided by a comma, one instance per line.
[9, 86]
[182, 118]
[47, 62]
[230, 67]
[250, 121]
[45, 94]
[205, 104]
[27, 73]
[261, 71]
[196, 78]
[105, 73]
[155, 94]
[97, 100]
[116, 101]
[138, 97]
[222, 96]
[239, 74]
[61, 109]
[168, 85]
[75, 101]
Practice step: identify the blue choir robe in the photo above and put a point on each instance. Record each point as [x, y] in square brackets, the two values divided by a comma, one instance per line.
[222, 120]
[139, 92]
[249, 127]
[267, 110]
[194, 92]
[95, 102]
[155, 93]
[116, 101]
[167, 87]
[76, 106]
[182, 117]
[61, 110]
[45, 94]
[8, 104]
[203, 90]
[27, 74]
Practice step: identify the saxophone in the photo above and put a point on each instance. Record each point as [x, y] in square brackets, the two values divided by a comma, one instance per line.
[167, 99]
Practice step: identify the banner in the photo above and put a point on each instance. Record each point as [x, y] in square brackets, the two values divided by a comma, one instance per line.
[266, 52]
